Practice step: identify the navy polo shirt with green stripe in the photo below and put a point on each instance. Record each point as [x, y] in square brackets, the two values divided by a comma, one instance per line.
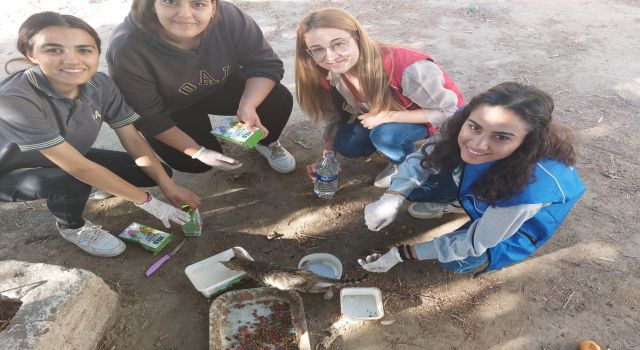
[34, 116]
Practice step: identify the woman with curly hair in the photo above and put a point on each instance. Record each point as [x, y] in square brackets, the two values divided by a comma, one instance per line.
[509, 166]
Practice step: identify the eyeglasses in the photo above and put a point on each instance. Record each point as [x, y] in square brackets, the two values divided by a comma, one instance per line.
[338, 46]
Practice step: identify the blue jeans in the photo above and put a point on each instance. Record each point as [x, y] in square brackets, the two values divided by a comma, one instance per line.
[394, 140]
[439, 188]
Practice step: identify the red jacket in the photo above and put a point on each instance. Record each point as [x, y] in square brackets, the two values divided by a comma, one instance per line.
[396, 60]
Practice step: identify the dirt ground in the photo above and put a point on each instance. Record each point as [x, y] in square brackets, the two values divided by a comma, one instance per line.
[583, 284]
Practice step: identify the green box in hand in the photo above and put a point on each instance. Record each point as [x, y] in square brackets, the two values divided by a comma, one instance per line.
[230, 129]
[192, 228]
[148, 237]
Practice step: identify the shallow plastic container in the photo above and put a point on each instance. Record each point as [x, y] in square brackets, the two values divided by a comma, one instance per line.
[361, 303]
[322, 264]
[210, 277]
[247, 311]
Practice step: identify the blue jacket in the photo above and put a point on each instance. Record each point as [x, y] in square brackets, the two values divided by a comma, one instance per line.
[553, 182]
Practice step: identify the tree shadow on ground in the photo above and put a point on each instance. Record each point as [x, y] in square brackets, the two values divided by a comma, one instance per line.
[580, 285]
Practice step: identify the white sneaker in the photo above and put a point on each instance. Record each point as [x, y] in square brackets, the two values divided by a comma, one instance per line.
[98, 194]
[279, 158]
[93, 239]
[383, 180]
[433, 210]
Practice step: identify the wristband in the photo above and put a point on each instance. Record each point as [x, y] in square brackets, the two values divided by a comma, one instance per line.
[198, 153]
[411, 250]
[395, 193]
[401, 252]
[149, 198]
[407, 253]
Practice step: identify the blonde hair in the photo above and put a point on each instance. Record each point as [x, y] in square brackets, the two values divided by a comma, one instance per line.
[312, 96]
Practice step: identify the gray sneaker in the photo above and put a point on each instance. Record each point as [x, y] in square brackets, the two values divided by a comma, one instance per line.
[98, 194]
[93, 239]
[383, 180]
[429, 210]
[279, 158]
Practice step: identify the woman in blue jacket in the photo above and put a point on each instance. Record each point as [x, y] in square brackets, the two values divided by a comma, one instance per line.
[509, 166]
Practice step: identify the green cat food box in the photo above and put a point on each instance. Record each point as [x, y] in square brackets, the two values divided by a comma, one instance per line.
[192, 228]
[148, 237]
[232, 130]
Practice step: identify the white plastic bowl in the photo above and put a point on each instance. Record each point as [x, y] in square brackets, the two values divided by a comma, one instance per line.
[322, 264]
[361, 303]
[210, 277]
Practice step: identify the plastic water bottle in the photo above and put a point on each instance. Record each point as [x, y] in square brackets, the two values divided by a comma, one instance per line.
[327, 169]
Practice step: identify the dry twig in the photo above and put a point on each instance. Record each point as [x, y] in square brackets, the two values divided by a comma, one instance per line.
[459, 319]
[568, 300]
[297, 141]
[309, 236]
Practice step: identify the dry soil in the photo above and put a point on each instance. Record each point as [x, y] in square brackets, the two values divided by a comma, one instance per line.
[582, 284]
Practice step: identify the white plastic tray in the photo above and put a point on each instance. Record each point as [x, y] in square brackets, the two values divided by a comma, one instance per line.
[247, 308]
[361, 303]
[210, 277]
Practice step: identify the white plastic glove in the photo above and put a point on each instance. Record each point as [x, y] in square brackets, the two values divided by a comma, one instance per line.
[216, 159]
[381, 263]
[164, 211]
[382, 212]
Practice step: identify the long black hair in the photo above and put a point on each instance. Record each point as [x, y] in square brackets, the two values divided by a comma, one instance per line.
[509, 175]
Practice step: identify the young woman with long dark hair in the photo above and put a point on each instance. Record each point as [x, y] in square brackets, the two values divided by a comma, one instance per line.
[510, 166]
[50, 116]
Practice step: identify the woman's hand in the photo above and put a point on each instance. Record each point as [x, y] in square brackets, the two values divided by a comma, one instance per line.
[164, 212]
[179, 195]
[216, 159]
[381, 213]
[255, 92]
[311, 172]
[249, 116]
[311, 168]
[371, 120]
[381, 263]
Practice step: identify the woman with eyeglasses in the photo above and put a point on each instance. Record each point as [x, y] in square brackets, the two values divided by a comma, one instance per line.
[371, 96]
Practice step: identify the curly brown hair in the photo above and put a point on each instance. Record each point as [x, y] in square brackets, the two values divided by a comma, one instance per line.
[509, 175]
